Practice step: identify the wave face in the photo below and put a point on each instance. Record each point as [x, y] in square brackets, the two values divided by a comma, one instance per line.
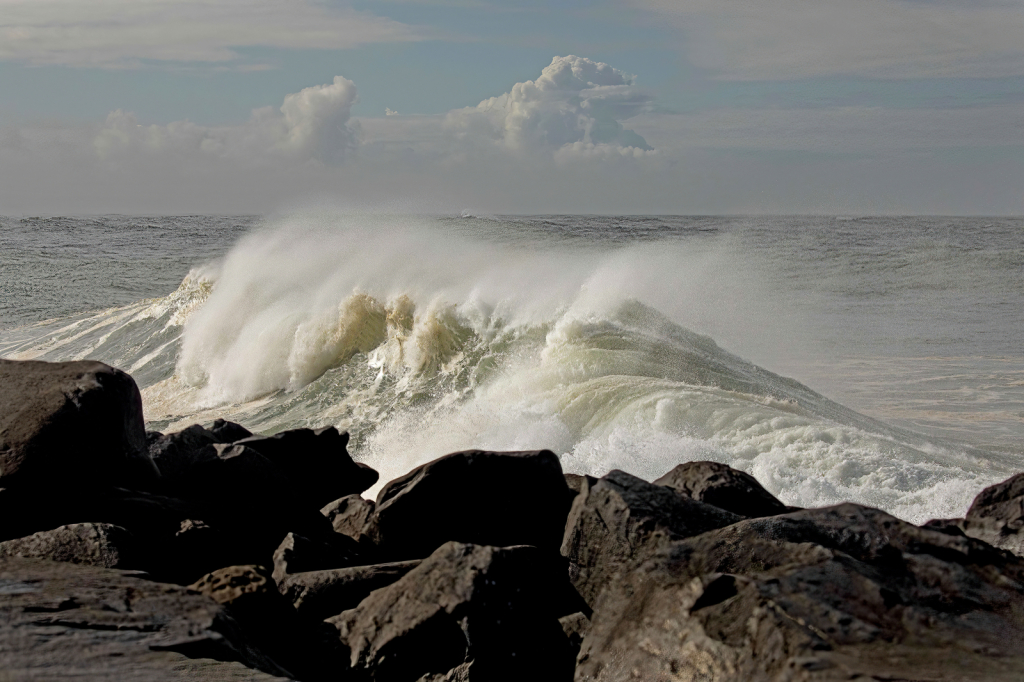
[425, 337]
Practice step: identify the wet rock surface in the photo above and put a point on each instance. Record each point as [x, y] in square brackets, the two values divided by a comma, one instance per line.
[250, 557]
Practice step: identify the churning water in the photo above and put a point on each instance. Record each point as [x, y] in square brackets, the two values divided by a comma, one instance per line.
[618, 342]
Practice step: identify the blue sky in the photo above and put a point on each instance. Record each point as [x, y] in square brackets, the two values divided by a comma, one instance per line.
[834, 106]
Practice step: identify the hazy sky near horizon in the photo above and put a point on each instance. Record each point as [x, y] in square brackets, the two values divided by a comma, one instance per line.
[522, 106]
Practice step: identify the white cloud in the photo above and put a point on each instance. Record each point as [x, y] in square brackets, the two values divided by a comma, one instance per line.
[311, 124]
[120, 33]
[778, 39]
[575, 104]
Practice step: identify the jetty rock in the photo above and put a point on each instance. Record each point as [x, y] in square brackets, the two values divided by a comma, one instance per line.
[216, 553]
[69, 423]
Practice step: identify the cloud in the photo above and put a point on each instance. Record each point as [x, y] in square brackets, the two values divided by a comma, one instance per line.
[782, 39]
[575, 105]
[311, 124]
[127, 33]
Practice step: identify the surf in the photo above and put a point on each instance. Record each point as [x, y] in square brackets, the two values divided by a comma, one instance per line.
[423, 337]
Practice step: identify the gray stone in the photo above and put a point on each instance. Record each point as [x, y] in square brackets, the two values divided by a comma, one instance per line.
[70, 423]
[620, 520]
[95, 544]
[724, 487]
[464, 603]
[842, 593]
[65, 621]
[318, 595]
[298, 554]
[350, 516]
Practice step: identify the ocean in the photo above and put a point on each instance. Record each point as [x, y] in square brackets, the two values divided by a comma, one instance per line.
[872, 359]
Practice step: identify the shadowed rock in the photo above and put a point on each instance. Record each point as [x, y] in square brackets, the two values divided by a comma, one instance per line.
[621, 520]
[724, 487]
[228, 432]
[176, 454]
[997, 515]
[95, 544]
[68, 621]
[250, 595]
[317, 461]
[297, 554]
[464, 603]
[840, 593]
[350, 516]
[487, 498]
[71, 423]
[318, 595]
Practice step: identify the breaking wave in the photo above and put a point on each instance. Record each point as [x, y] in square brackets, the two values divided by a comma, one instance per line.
[422, 339]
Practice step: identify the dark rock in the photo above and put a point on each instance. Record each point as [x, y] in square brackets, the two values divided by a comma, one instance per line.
[997, 515]
[68, 621]
[840, 593]
[575, 626]
[250, 595]
[1003, 502]
[947, 526]
[724, 487]
[176, 454]
[71, 423]
[577, 481]
[464, 603]
[317, 461]
[298, 554]
[318, 595]
[350, 516]
[229, 432]
[621, 520]
[487, 498]
[95, 544]
[253, 503]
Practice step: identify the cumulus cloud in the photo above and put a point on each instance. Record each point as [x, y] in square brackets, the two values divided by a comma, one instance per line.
[126, 33]
[573, 107]
[310, 124]
[778, 39]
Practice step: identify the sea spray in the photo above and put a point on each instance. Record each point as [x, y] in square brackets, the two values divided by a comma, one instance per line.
[424, 336]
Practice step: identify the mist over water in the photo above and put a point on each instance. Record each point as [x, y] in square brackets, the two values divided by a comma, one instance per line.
[633, 343]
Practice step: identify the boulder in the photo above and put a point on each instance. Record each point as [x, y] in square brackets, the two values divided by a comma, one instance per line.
[250, 595]
[317, 461]
[724, 487]
[228, 432]
[577, 481]
[68, 621]
[176, 454]
[621, 520]
[478, 497]
[297, 554]
[318, 595]
[95, 544]
[464, 603]
[841, 593]
[350, 516]
[997, 515]
[71, 423]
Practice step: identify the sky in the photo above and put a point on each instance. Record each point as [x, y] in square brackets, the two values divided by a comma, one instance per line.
[519, 106]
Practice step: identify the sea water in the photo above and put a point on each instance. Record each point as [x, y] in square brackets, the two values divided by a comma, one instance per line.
[875, 359]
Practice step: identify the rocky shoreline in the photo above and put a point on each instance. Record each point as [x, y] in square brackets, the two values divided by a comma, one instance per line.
[216, 554]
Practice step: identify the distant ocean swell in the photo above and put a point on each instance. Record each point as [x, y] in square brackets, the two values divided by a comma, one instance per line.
[422, 343]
